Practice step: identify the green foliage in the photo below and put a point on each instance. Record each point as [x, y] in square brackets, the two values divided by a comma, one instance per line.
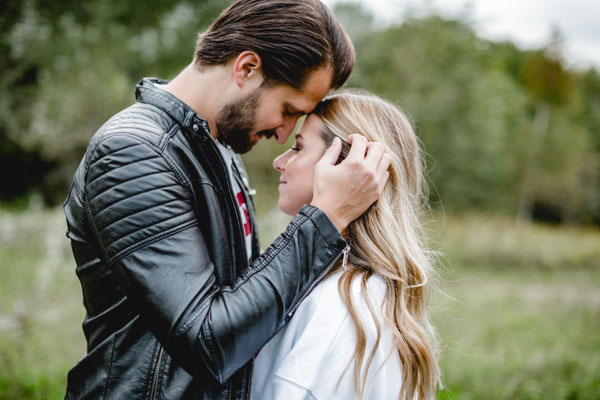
[546, 79]
[70, 65]
[473, 104]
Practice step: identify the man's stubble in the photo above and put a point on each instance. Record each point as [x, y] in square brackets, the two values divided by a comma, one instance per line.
[236, 121]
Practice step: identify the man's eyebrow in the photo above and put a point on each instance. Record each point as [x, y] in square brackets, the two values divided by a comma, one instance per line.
[293, 110]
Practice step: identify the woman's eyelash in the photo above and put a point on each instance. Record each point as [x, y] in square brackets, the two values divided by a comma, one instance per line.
[295, 148]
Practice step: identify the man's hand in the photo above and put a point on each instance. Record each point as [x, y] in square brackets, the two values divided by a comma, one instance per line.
[346, 190]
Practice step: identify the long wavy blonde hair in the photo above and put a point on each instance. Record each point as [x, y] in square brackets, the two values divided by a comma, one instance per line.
[388, 240]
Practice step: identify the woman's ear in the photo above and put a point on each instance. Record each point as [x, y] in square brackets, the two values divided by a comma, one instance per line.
[247, 66]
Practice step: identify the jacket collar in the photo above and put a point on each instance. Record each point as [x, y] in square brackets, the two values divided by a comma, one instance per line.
[147, 92]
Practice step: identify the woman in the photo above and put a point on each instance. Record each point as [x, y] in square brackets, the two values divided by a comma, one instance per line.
[363, 332]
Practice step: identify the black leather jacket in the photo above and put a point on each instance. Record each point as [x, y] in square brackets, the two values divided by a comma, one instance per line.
[174, 309]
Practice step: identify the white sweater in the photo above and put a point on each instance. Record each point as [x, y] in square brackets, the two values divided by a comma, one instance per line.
[306, 359]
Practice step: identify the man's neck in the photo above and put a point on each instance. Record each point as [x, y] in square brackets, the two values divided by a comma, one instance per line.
[199, 90]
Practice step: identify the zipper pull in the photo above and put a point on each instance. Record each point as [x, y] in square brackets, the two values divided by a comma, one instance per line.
[345, 259]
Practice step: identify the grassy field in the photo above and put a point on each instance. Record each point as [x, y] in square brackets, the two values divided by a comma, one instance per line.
[519, 315]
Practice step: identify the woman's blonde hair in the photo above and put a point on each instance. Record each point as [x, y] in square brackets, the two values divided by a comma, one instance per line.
[388, 240]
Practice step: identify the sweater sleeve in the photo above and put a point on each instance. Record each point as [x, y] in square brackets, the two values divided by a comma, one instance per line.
[313, 357]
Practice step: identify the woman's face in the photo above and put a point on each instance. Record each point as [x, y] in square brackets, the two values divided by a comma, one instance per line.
[296, 166]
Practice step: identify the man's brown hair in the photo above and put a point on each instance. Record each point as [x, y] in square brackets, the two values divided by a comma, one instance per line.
[292, 37]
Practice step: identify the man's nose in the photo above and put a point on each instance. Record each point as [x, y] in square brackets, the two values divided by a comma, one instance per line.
[286, 128]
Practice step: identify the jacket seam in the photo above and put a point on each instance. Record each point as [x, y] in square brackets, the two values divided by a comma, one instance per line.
[265, 262]
[95, 178]
[183, 180]
[112, 355]
[319, 232]
[122, 217]
[108, 136]
[301, 295]
[88, 212]
[189, 321]
[149, 375]
[165, 139]
[126, 182]
[152, 239]
[211, 349]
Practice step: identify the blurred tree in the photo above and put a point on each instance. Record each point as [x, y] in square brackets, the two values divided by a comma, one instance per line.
[551, 170]
[70, 66]
[468, 115]
[589, 116]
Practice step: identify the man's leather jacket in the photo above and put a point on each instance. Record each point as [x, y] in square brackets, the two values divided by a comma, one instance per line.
[174, 309]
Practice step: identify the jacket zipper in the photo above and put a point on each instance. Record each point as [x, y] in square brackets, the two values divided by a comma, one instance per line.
[154, 387]
[317, 280]
[250, 381]
[236, 206]
[239, 226]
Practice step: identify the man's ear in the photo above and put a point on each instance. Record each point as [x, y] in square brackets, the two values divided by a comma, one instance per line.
[247, 65]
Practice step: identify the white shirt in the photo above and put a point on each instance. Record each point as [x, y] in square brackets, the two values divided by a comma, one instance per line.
[306, 359]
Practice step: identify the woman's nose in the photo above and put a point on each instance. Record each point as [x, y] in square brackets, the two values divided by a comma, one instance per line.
[278, 163]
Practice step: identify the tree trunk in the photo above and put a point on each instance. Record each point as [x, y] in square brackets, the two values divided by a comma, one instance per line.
[539, 130]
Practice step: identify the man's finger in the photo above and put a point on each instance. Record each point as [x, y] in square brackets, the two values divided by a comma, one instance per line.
[382, 171]
[358, 146]
[375, 152]
[333, 152]
[384, 164]
[383, 181]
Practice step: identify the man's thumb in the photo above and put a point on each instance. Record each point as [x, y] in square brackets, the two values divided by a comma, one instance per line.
[333, 152]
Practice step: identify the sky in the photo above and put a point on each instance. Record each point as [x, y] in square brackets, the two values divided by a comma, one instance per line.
[528, 23]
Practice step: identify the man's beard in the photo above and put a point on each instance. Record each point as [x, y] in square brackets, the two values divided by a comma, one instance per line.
[236, 121]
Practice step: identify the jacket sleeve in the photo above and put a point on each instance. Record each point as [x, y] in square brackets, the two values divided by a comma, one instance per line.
[146, 229]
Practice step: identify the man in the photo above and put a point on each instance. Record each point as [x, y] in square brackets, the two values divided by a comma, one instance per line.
[178, 298]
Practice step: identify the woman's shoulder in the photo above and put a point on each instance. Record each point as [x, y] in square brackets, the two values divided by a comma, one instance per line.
[322, 335]
[325, 302]
[327, 292]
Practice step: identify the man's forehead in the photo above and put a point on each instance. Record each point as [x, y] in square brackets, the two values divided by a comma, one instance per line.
[316, 87]
[318, 84]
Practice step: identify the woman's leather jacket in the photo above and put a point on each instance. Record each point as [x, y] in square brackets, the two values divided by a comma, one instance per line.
[174, 309]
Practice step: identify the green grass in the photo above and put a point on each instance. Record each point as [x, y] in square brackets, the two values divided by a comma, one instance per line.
[40, 306]
[521, 312]
[519, 317]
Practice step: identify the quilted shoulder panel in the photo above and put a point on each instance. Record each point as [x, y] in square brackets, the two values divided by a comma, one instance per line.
[133, 195]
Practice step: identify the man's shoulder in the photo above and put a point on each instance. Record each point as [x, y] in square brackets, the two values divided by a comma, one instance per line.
[142, 121]
[135, 134]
